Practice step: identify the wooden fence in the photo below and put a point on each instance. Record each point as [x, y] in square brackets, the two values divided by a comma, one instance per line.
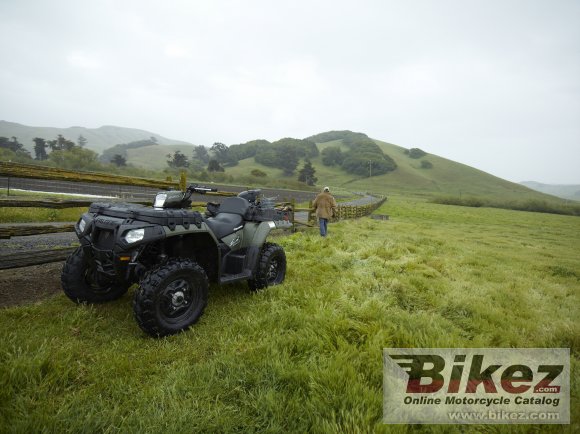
[18, 170]
[50, 173]
[25, 229]
[346, 211]
[357, 211]
[37, 257]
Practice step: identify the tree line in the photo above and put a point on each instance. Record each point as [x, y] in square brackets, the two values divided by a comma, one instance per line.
[362, 155]
[283, 154]
[60, 151]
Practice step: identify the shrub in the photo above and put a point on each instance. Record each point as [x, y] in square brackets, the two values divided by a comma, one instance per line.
[332, 156]
[214, 166]
[416, 153]
[358, 164]
[283, 154]
[345, 135]
[258, 173]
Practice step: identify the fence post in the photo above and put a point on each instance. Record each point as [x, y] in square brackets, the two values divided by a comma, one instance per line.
[293, 205]
[309, 218]
[182, 180]
[8, 189]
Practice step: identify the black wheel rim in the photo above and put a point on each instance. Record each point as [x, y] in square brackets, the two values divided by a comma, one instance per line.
[274, 271]
[177, 299]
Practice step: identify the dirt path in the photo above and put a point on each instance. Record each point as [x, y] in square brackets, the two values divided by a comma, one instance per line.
[28, 285]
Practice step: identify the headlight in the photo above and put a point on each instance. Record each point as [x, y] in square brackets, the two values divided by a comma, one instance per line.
[82, 225]
[160, 200]
[134, 235]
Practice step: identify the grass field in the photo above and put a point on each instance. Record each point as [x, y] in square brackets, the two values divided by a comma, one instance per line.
[305, 355]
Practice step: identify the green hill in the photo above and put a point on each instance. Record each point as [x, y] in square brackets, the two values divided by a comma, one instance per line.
[155, 157]
[445, 177]
[98, 139]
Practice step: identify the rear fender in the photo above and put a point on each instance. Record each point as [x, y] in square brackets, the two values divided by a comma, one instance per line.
[255, 234]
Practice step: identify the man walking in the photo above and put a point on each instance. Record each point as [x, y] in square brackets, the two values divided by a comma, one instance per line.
[325, 207]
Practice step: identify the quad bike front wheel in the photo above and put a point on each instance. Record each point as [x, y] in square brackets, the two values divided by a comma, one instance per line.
[171, 297]
[82, 283]
[271, 267]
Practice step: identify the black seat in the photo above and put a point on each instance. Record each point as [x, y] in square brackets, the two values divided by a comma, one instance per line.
[234, 205]
[223, 224]
[230, 216]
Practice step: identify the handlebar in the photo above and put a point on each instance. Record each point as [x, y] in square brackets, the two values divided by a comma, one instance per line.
[200, 189]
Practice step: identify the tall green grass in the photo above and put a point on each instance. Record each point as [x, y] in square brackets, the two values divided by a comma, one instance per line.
[33, 215]
[534, 205]
[305, 356]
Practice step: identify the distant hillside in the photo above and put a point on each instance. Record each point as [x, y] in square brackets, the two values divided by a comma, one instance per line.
[417, 173]
[155, 157]
[565, 191]
[98, 139]
[393, 168]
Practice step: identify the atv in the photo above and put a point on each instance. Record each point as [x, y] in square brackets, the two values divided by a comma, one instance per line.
[173, 252]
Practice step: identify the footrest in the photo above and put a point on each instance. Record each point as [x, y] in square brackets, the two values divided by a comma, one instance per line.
[229, 278]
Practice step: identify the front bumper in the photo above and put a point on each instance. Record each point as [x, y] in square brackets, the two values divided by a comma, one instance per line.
[105, 247]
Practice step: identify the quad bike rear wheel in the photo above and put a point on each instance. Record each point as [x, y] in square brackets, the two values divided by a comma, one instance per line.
[82, 283]
[171, 297]
[271, 267]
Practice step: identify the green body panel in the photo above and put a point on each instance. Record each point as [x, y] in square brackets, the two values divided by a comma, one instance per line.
[252, 234]
[235, 240]
[181, 230]
[256, 233]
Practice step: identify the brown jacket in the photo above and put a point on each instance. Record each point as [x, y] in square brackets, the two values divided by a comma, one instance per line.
[325, 205]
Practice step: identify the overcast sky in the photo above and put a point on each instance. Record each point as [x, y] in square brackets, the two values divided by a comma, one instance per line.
[494, 84]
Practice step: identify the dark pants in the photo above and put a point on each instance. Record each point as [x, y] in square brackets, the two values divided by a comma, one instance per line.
[323, 226]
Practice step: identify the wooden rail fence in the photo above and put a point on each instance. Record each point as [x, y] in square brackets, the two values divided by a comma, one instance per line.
[22, 259]
[22, 230]
[19, 170]
[26, 259]
[357, 211]
[348, 211]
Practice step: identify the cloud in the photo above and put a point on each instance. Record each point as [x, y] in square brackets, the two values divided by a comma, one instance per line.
[176, 50]
[468, 81]
[83, 60]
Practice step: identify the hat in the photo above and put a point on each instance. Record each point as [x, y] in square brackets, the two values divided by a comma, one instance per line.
[326, 189]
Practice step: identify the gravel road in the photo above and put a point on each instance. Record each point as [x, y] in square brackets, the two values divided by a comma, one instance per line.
[38, 242]
[127, 192]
